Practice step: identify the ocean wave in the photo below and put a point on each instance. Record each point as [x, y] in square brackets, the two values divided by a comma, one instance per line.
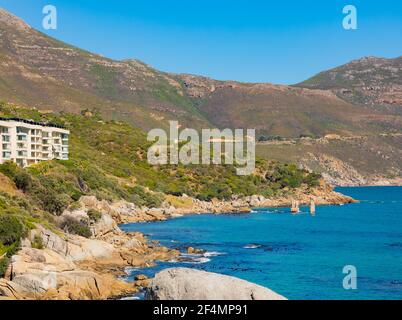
[252, 246]
[131, 298]
[213, 254]
[199, 260]
[188, 258]
[129, 270]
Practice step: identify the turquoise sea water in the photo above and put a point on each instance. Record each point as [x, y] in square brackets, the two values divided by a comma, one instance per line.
[300, 257]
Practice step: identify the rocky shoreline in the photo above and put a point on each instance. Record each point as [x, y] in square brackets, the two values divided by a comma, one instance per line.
[70, 267]
[173, 207]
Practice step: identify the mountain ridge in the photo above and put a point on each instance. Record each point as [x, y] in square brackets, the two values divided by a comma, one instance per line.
[42, 72]
[37, 70]
[354, 82]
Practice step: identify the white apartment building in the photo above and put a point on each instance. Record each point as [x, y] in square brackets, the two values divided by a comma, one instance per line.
[27, 142]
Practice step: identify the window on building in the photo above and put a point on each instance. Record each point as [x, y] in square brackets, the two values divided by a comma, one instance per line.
[6, 155]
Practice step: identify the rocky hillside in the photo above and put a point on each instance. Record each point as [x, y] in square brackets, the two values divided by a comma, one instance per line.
[282, 110]
[343, 161]
[36, 70]
[369, 81]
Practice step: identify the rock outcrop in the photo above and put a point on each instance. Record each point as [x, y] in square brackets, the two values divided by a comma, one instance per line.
[191, 284]
[73, 267]
[46, 274]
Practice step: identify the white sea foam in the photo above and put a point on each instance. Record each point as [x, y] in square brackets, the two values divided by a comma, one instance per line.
[131, 298]
[213, 254]
[199, 260]
[252, 246]
[129, 270]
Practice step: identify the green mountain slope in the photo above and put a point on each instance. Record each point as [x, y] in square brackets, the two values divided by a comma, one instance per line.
[109, 159]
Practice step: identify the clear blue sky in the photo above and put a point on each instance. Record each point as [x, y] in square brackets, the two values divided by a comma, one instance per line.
[256, 41]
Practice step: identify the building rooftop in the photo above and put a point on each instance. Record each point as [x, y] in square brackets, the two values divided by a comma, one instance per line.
[50, 125]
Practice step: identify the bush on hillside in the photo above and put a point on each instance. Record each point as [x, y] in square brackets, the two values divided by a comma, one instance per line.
[94, 215]
[3, 266]
[51, 201]
[11, 230]
[23, 180]
[37, 242]
[140, 197]
[73, 226]
[9, 169]
[289, 176]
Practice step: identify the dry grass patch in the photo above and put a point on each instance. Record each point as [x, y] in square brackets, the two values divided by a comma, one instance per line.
[180, 202]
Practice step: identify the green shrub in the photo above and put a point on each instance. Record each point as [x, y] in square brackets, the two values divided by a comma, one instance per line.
[289, 176]
[312, 179]
[11, 230]
[37, 242]
[23, 180]
[94, 215]
[3, 266]
[53, 202]
[141, 197]
[73, 226]
[75, 206]
[9, 169]
[76, 195]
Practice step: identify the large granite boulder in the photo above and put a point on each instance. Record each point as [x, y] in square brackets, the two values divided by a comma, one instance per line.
[11, 290]
[191, 284]
[76, 248]
[45, 274]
